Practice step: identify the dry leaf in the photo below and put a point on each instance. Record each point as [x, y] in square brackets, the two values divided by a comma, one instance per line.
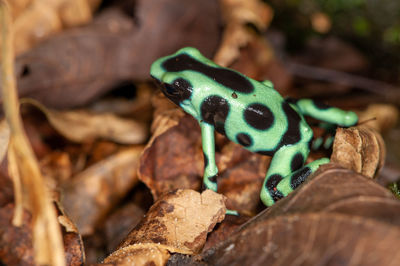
[36, 20]
[310, 239]
[178, 222]
[93, 192]
[30, 189]
[360, 149]
[332, 188]
[120, 223]
[172, 158]
[16, 242]
[237, 15]
[18, 6]
[78, 65]
[335, 217]
[380, 117]
[241, 174]
[82, 126]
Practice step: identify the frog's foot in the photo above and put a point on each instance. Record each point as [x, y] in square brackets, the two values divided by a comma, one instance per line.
[231, 212]
[276, 187]
[210, 182]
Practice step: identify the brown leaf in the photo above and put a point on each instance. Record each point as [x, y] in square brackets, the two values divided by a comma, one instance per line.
[92, 193]
[360, 149]
[331, 187]
[173, 158]
[16, 242]
[178, 222]
[380, 117]
[34, 24]
[37, 20]
[56, 168]
[241, 176]
[120, 223]
[336, 217]
[310, 239]
[237, 15]
[78, 65]
[83, 126]
[138, 254]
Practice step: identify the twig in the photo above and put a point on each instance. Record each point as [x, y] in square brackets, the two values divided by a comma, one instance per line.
[342, 78]
[47, 240]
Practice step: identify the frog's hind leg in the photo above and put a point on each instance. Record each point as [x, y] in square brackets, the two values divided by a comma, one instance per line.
[324, 112]
[287, 171]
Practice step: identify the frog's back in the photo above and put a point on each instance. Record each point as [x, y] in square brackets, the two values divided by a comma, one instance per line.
[248, 112]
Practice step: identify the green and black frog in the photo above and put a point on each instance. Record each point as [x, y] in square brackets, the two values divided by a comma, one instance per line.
[248, 112]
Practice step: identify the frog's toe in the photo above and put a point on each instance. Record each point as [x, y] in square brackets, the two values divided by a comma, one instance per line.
[231, 212]
[350, 119]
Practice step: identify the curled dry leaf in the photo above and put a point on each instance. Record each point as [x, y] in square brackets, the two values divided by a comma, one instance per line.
[178, 222]
[82, 126]
[360, 148]
[336, 217]
[237, 15]
[380, 117]
[92, 193]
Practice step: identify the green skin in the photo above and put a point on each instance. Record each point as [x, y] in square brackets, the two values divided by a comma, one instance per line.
[194, 83]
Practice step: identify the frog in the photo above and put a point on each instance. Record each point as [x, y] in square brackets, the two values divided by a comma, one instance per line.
[248, 112]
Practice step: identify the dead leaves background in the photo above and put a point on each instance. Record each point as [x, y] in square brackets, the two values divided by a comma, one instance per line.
[104, 151]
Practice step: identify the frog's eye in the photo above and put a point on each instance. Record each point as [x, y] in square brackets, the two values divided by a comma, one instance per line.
[170, 90]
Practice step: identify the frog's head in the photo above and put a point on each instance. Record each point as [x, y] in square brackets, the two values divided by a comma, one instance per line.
[178, 90]
[172, 78]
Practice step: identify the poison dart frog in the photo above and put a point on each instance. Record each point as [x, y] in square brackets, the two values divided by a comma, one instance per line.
[248, 112]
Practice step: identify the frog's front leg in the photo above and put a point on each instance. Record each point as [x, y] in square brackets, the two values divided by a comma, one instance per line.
[287, 171]
[210, 167]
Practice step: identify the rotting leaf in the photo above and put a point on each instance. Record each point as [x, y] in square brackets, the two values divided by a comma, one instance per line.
[178, 222]
[237, 15]
[91, 193]
[82, 126]
[360, 149]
